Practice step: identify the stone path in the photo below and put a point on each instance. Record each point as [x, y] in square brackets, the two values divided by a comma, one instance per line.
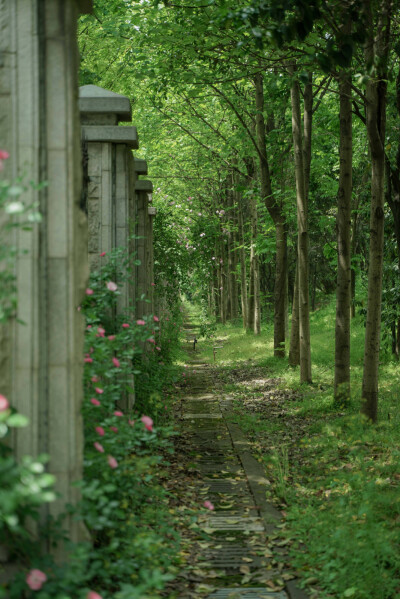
[236, 559]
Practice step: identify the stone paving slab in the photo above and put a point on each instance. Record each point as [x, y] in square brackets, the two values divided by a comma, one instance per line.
[205, 416]
[203, 396]
[236, 523]
[225, 468]
[249, 593]
[226, 485]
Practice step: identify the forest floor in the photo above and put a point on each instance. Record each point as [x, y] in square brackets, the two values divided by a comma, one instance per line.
[303, 491]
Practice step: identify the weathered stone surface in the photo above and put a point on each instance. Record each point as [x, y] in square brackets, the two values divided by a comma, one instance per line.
[140, 166]
[39, 126]
[144, 185]
[94, 100]
[111, 134]
[94, 187]
[94, 226]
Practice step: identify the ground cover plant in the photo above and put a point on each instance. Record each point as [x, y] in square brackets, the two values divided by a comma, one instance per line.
[334, 476]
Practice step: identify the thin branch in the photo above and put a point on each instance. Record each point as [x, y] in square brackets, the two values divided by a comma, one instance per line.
[203, 145]
[239, 117]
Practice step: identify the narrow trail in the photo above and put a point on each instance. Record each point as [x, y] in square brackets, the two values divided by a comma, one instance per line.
[235, 557]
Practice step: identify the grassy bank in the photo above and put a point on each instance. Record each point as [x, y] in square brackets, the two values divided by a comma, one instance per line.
[335, 477]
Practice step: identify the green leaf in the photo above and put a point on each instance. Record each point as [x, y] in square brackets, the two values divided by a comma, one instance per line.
[350, 592]
[18, 420]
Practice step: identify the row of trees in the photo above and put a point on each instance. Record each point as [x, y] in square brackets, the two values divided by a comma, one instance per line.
[247, 108]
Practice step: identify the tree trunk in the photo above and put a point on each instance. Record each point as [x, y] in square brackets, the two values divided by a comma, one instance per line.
[302, 217]
[257, 303]
[232, 226]
[217, 295]
[243, 274]
[250, 296]
[343, 292]
[221, 282]
[254, 306]
[376, 52]
[277, 216]
[280, 291]
[294, 352]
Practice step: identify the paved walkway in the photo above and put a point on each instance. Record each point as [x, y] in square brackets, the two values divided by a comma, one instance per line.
[235, 557]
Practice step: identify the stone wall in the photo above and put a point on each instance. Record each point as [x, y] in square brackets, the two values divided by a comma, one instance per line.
[41, 364]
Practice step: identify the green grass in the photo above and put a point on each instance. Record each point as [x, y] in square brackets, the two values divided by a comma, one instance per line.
[336, 475]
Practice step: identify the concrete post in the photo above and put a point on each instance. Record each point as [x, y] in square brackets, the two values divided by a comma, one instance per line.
[111, 174]
[39, 127]
[144, 232]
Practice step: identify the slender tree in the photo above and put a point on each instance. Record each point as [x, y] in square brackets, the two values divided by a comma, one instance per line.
[302, 224]
[276, 213]
[376, 55]
[343, 226]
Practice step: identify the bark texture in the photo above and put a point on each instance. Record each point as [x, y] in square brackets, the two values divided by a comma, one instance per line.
[243, 273]
[276, 213]
[294, 352]
[302, 218]
[376, 51]
[343, 290]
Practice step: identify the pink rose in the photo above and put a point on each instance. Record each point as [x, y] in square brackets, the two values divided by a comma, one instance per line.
[112, 462]
[114, 429]
[100, 431]
[150, 340]
[89, 291]
[156, 319]
[4, 155]
[140, 322]
[125, 325]
[99, 447]
[116, 363]
[118, 413]
[98, 390]
[95, 401]
[102, 254]
[88, 360]
[100, 332]
[111, 286]
[35, 579]
[111, 337]
[208, 505]
[148, 423]
[93, 595]
[4, 403]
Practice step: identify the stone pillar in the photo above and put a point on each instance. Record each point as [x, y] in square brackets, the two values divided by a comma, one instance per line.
[144, 232]
[111, 174]
[39, 127]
